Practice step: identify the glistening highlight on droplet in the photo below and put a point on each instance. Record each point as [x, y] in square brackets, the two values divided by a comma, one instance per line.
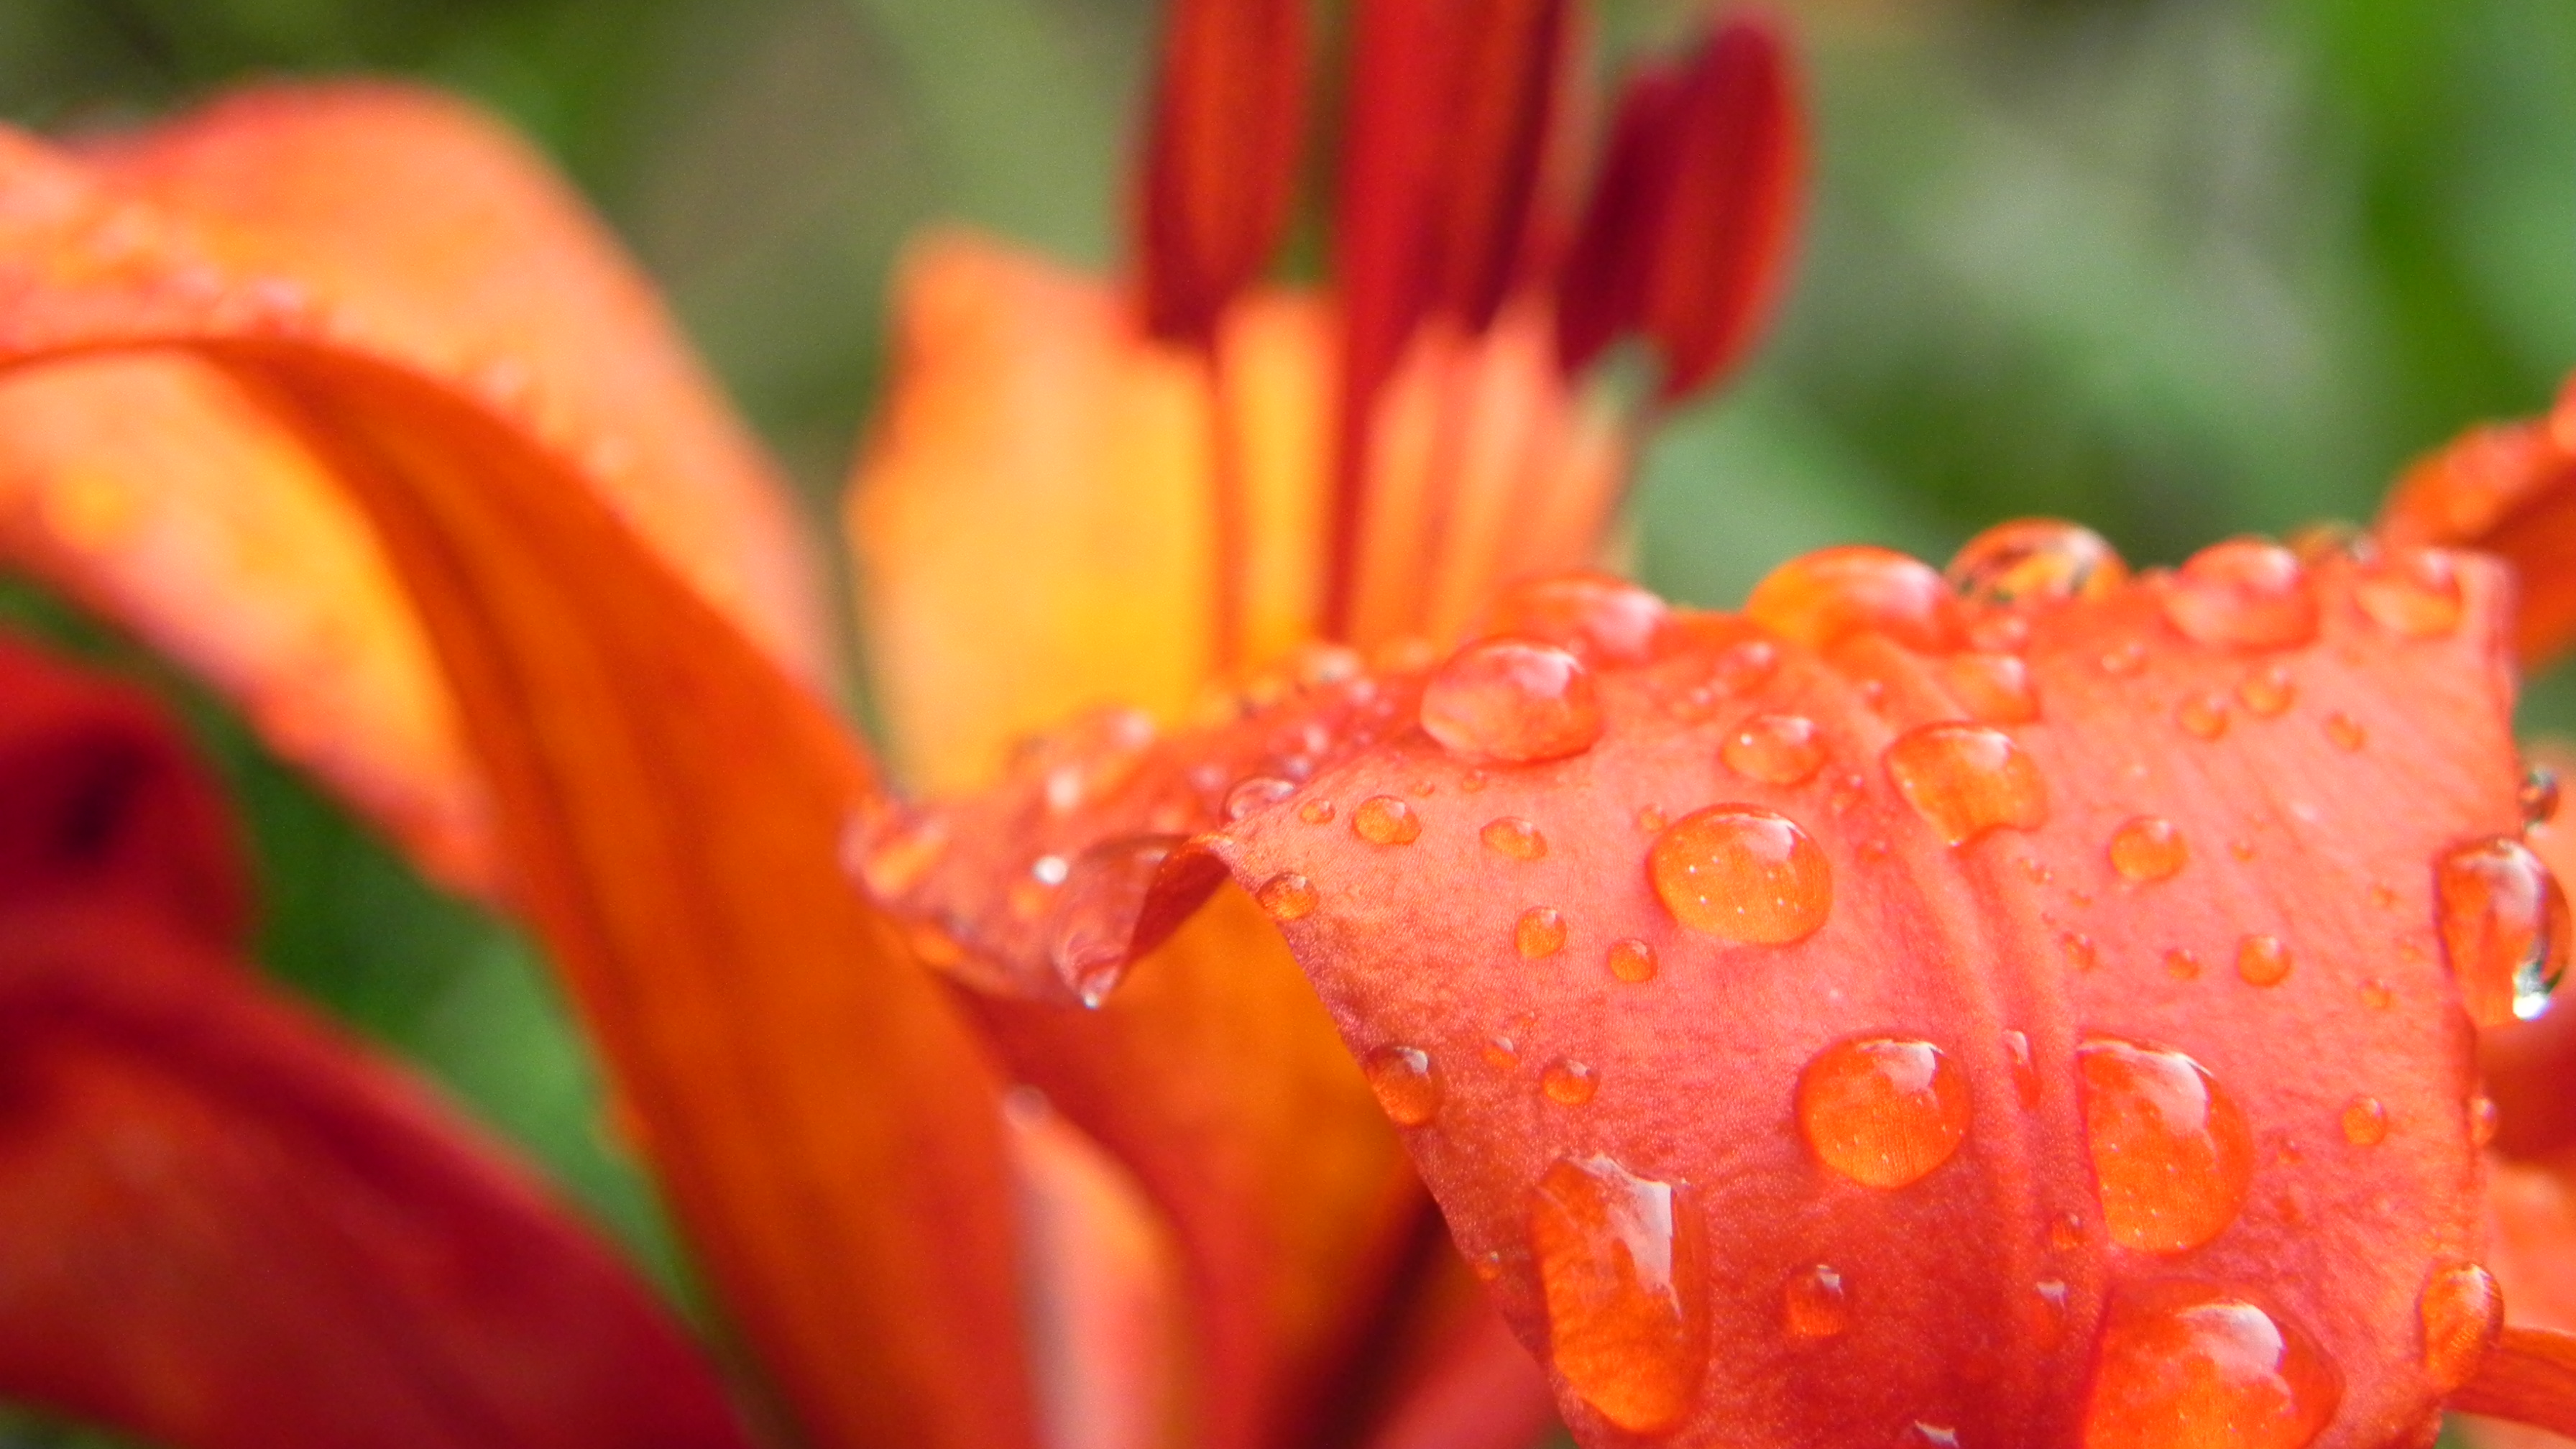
[1623, 1270]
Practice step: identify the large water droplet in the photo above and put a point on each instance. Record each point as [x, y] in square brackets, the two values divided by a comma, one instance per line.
[1814, 1305]
[1385, 820]
[1514, 837]
[1818, 599]
[1882, 1111]
[2148, 848]
[2186, 1365]
[2462, 1311]
[1622, 1268]
[2504, 927]
[1096, 911]
[2242, 594]
[1540, 931]
[2035, 561]
[1776, 749]
[2172, 1155]
[1594, 615]
[2413, 593]
[1967, 779]
[1407, 1083]
[1512, 700]
[1287, 896]
[1740, 873]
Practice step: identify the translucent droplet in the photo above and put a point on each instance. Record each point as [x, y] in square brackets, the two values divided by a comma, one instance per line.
[2045, 1314]
[1882, 1111]
[1501, 1051]
[1512, 700]
[1924, 1434]
[2035, 561]
[2462, 1311]
[1318, 811]
[2376, 994]
[1967, 779]
[2172, 1154]
[1591, 614]
[1821, 598]
[1622, 1268]
[1407, 1083]
[2484, 1119]
[2538, 796]
[2185, 1365]
[2066, 1232]
[1743, 874]
[2202, 716]
[2346, 732]
[1385, 820]
[1096, 911]
[2267, 691]
[2262, 960]
[2182, 965]
[1813, 1304]
[2413, 593]
[1631, 960]
[1287, 896]
[2078, 949]
[2242, 594]
[1513, 837]
[2504, 928]
[2365, 1122]
[1776, 749]
[1568, 1083]
[1256, 793]
[1992, 688]
[1650, 820]
[1539, 932]
[2025, 1072]
[2148, 848]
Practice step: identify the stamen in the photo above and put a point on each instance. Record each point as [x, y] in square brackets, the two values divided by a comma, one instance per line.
[1222, 155]
[2528, 1378]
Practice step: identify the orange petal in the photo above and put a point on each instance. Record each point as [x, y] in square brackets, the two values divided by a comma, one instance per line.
[2510, 490]
[671, 802]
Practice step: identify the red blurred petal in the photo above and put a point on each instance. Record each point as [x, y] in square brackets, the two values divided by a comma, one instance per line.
[2509, 489]
[2530, 1378]
[1222, 153]
[826, 1125]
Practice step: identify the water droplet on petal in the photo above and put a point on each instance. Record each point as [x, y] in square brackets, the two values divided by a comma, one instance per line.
[2242, 594]
[1743, 874]
[2267, 691]
[2462, 1311]
[2186, 1365]
[2262, 960]
[2182, 965]
[1095, 914]
[2365, 1122]
[1514, 837]
[1922, 1434]
[2078, 950]
[1632, 961]
[2413, 593]
[2484, 1119]
[902, 854]
[1814, 1305]
[1882, 1111]
[1539, 932]
[2202, 716]
[1821, 598]
[2346, 732]
[2376, 995]
[1385, 820]
[1407, 1083]
[1318, 811]
[1992, 688]
[1594, 615]
[2172, 1154]
[1776, 749]
[2122, 661]
[1568, 1083]
[1287, 896]
[2504, 928]
[1622, 1271]
[1256, 793]
[2538, 796]
[1967, 779]
[2066, 1232]
[2035, 561]
[2148, 848]
[2025, 1072]
[1512, 700]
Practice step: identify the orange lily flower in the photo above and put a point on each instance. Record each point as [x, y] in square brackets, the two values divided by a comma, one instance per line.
[2026, 1007]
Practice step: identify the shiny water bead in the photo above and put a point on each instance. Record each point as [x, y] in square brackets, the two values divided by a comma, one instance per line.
[1882, 1111]
[1513, 837]
[2538, 796]
[1596, 616]
[2262, 960]
[1924, 1434]
[2365, 1122]
[1992, 688]
[2044, 1313]
[1539, 932]
[1776, 749]
[2172, 1154]
[1500, 1051]
[2066, 1232]
[1622, 1270]
[1966, 780]
[1568, 1083]
[1318, 811]
[900, 855]
[1385, 820]
[2035, 560]
[2346, 732]
[1742, 874]
[1814, 1305]
[1512, 700]
[2025, 1072]
[2413, 593]
[1821, 598]
[1631, 961]
[2462, 1313]
[2242, 594]
[2484, 1119]
[1259, 792]
[2182, 965]
[2078, 949]
[1407, 1083]
[2202, 716]
[2376, 995]
[2148, 848]
[2184, 1365]
[1096, 910]
[1287, 896]
[2267, 691]
[2504, 928]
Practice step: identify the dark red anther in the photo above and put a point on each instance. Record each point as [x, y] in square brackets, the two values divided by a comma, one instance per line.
[1221, 156]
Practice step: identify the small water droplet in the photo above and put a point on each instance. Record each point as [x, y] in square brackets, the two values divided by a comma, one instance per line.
[1501, 1051]
[2267, 691]
[1255, 793]
[2122, 661]
[1814, 1305]
[2376, 994]
[1317, 811]
[1385, 820]
[1622, 1272]
[2044, 1312]
[2504, 928]
[2148, 848]
[2035, 561]
[2381, 896]
[2462, 1311]
[1923, 1434]
[1631, 960]
[1050, 870]
[2241, 848]
[2242, 594]
[2413, 593]
[1822, 598]
[1992, 688]
[2025, 1072]
[2346, 732]
[1512, 700]
[1776, 749]
[2172, 1154]
[2066, 1232]
[2202, 716]
[1594, 615]
[2538, 796]
[2184, 1363]
[1407, 1083]
[2182, 965]
[1287, 896]
[1568, 1083]
[1650, 820]
[1513, 837]
[2262, 960]
[2038, 873]
[1966, 780]
[2365, 1121]
[1472, 783]
[1882, 1111]
[1742, 874]
[2078, 949]
[1539, 932]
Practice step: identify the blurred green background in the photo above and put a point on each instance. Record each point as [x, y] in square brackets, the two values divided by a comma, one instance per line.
[2179, 268]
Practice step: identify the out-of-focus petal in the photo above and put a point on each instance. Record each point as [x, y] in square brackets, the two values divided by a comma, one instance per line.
[2509, 489]
[670, 801]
